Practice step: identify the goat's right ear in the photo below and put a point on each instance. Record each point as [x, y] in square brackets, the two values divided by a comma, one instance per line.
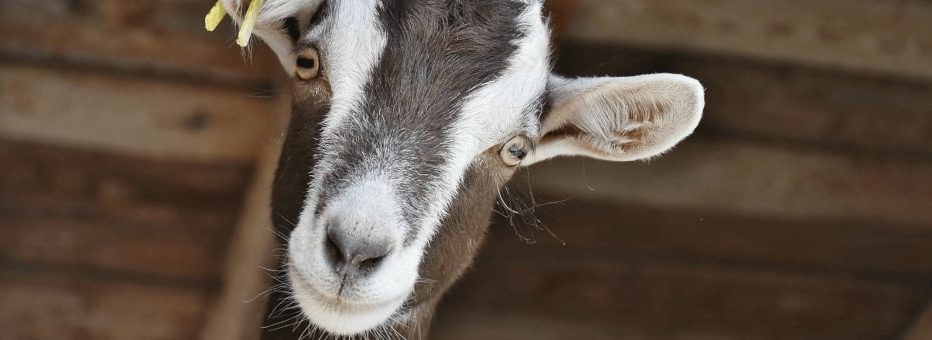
[618, 118]
[279, 23]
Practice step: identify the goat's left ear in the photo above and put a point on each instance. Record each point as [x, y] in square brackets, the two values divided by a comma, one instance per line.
[279, 23]
[618, 119]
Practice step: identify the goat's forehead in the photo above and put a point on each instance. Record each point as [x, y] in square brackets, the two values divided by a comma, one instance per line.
[410, 62]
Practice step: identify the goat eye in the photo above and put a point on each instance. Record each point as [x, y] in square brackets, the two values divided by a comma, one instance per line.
[308, 63]
[514, 151]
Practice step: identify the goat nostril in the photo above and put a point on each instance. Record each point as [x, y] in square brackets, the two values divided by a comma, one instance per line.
[367, 265]
[333, 251]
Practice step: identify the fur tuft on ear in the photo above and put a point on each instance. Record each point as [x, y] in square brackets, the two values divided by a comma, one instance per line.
[618, 119]
[270, 23]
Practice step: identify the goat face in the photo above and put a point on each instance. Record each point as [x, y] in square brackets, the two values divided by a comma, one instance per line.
[409, 116]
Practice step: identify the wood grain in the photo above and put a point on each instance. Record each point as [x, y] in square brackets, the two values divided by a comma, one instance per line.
[163, 38]
[768, 180]
[96, 210]
[46, 305]
[636, 233]
[131, 115]
[660, 301]
[864, 35]
[249, 251]
[142, 250]
[921, 327]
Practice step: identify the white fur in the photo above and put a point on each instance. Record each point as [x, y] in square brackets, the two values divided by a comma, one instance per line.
[367, 303]
[350, 51]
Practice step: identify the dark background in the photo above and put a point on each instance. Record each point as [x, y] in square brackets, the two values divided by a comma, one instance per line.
[135, 150]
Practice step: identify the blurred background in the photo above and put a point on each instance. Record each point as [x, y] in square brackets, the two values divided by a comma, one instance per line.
[136, 148]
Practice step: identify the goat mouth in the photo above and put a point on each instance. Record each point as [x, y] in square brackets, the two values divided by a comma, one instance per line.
[338, 301]
[340, 316]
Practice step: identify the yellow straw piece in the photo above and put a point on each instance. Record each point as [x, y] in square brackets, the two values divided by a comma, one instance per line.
[245, 31]
[214, 17]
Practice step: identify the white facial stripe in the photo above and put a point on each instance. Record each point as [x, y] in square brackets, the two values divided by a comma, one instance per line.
[350, 53]
[493, 112]
[351, 43]
[498, 108]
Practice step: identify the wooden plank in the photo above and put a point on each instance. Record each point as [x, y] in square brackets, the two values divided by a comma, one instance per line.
[74, 183]
[921, 329]
[676, 302]
[465, 325]
[131, 115]
[96, 210]
[873, 35]
[52, 306]
[181, 254]
[560, 16]
[239, 308]
[159, 37]
[708, 174]
[818, 107]
[637, 233]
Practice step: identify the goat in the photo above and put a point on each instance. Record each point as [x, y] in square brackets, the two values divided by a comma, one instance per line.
[409, 116]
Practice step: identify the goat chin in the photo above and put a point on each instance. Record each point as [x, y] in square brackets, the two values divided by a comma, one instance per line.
[347, 321]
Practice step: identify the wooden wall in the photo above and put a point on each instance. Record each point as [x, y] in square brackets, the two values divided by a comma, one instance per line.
[801, 209]
[128, 137]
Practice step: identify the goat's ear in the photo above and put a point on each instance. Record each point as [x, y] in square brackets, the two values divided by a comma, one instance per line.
[279, 23]
[618, 119]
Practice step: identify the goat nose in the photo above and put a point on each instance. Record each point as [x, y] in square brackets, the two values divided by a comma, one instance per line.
[353, 255]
